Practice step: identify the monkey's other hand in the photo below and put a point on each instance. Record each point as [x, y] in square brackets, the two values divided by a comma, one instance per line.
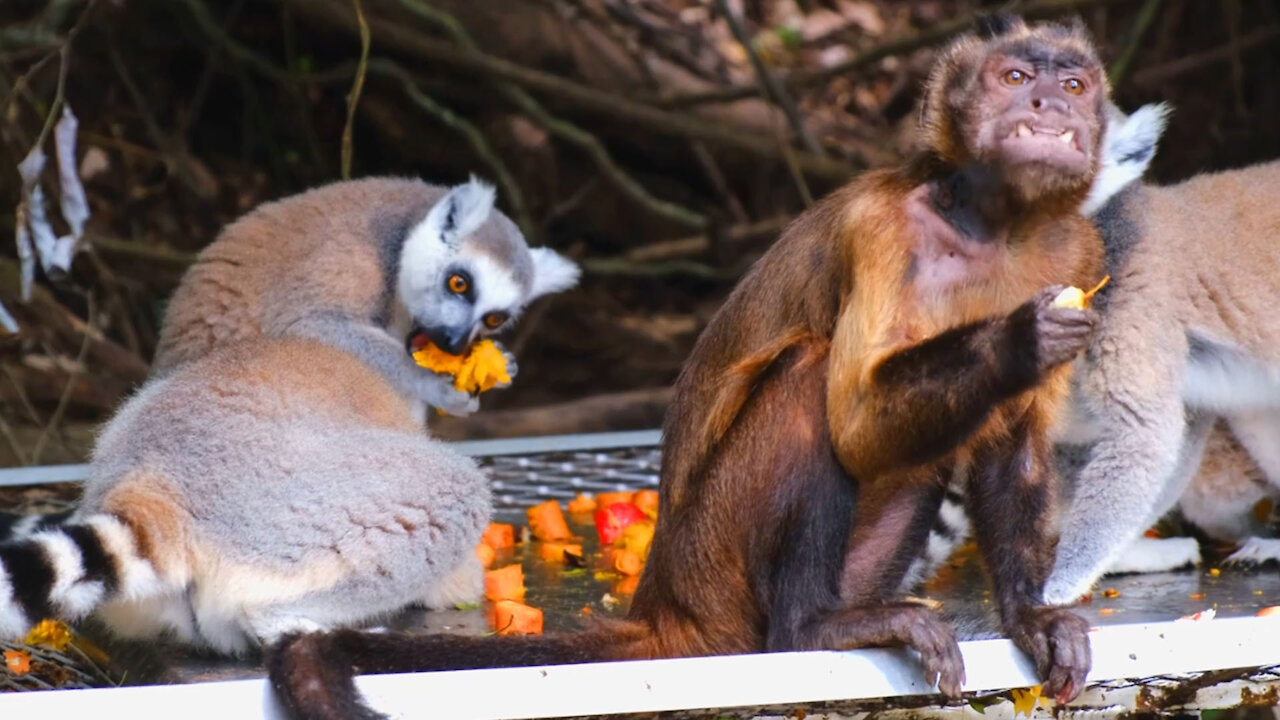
[921, 629]
[512, 366]
[1060, 332]
[1058, 641]
[438, 392]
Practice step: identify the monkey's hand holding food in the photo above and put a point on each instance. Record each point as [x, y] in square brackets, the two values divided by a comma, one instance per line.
[1057, 332]
[484, 367]
[1074, 297]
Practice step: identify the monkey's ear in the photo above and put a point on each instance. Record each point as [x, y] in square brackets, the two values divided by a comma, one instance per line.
[996, 24]
[460, 212]
[552, 272]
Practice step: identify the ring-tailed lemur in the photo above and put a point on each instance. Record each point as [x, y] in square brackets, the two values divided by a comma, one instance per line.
[355, 265]
[271, 483]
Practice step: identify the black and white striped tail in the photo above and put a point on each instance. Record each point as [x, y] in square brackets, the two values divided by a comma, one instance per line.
[14, 526]
[949, 531]
[65, 572]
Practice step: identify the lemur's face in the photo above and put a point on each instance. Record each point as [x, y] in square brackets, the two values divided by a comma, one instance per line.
[466, 272]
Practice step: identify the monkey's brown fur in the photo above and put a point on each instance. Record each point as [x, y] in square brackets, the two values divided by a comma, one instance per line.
[865, 354]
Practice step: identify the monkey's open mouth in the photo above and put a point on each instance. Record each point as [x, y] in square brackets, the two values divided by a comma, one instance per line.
[1028, 141]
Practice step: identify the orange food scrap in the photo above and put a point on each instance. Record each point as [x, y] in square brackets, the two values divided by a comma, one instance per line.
[586, 610]
[647, 501]
[509, 617]
[628, 562]
[604, 500]
[1110, 593]
[1152, 533]
[505, 583]
[18, 661]
[1269, 611]
[637, 537]
[582, 503]
[547, 522]
[53, 633]
[1106, 611]
[499, 536]
[485, 553]
[1196, 596]
[482, 368]
[555, 552]
[627, 585]
[1214, 572]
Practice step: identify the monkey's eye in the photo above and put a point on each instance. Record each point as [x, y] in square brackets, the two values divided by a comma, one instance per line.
[1073, 85]
[457, 283]
[494, 320]
[1015, 77]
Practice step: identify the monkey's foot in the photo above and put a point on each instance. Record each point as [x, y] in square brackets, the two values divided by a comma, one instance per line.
[1058, 642]
[1254, 552]
[1147, 555]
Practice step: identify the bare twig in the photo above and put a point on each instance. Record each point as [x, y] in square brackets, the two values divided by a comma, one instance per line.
[63, 401]
[475, 138]
[1146, 15]
[718, 182]
[404, 38]
[561, 128]
[12, 439]
[700, 244]
[353, 97]
[1231, 16]
[903, 44]
[1158, 73]
[769, 85]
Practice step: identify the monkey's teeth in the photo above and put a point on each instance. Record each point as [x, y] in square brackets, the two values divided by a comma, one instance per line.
[1067, 137]
[1024, 130]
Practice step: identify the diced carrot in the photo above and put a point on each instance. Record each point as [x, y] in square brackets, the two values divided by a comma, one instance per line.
[637, 536]
[586, 610]
[628, 562]
[604, 500]
[505, 583]
[1269, 611]
[647, 501]
[509, 617]
[583, 503]
[547, 522]
[627, 585]
[555, 551]
[1110, 593]
[18, 661]
[485, 553]
[1152, 533]
[499, 536]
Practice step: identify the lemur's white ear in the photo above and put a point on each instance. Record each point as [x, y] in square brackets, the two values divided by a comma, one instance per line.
[460, 212]
[552, 272]
[1127, 151]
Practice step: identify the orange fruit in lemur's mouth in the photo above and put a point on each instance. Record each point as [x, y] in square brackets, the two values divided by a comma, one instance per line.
[482, 368]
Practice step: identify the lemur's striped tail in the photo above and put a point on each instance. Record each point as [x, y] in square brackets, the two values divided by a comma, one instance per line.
[65, 572]
[949, 531]
[14, 526]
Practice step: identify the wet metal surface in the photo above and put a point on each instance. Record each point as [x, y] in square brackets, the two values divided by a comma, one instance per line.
[566, 594]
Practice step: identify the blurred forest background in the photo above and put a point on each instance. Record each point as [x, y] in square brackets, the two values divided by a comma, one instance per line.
[661, 143]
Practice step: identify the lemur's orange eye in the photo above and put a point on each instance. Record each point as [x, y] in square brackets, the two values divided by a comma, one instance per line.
[494, 320]
[458, 284]
[1073, 85]
[1015, 77]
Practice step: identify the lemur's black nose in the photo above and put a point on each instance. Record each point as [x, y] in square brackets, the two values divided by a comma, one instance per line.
[452, 340]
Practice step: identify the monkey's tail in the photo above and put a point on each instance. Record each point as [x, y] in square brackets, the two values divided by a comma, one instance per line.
[314, 674]
[66, 571]
[16, 526]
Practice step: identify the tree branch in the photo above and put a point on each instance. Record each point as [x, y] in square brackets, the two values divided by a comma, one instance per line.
[357, 84]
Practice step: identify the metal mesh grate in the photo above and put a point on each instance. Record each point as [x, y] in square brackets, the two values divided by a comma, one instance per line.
[519, 481]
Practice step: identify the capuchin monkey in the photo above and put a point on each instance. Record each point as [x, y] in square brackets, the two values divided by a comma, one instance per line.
[869, 353]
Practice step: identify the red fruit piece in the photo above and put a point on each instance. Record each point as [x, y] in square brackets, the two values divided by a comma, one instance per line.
[611, 520]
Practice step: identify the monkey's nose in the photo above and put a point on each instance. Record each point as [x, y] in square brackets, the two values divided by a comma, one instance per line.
[1051, 103]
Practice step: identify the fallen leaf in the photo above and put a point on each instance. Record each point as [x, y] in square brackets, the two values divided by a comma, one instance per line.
[1024, 699]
